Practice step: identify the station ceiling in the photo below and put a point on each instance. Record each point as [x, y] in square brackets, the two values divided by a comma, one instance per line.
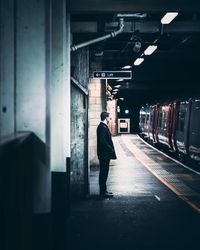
[172, 71]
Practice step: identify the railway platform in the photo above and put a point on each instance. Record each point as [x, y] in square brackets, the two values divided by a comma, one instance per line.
[156, 203]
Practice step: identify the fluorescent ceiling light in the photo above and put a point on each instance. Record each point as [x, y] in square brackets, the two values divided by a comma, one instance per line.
[138, 61]
[126, 67]
[120, 80]
[116, 90]
[168, 17]
[150, 50]
[117, 86]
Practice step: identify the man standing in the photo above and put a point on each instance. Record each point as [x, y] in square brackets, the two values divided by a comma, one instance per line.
[105, 152]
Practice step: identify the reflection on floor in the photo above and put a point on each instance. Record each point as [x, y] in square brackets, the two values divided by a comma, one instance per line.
[144, 213]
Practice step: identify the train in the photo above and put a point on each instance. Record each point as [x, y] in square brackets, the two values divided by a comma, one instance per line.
[174, 126]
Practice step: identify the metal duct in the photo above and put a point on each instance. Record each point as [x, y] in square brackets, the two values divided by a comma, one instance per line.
[96, 40]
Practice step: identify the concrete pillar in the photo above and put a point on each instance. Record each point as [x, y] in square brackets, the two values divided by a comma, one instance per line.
[79, 122]
[31, 91]
[97, 104]
[78, 143]
[30, 67]
[60, 106]
[24, 78]
[60, 87]
[7, 68]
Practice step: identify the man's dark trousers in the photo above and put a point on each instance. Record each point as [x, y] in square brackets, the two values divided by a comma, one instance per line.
[103, 174]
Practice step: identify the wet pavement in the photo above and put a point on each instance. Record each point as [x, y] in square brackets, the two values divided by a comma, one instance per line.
[155, 205]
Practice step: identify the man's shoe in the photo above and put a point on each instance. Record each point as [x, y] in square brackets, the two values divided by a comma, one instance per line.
[109, 193]
[106, 195]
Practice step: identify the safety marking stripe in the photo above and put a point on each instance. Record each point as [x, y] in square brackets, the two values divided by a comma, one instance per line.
[180, 163]
[142, 158]
[171, 188]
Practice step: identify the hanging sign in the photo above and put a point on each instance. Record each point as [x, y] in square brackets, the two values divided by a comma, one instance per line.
[112, 74]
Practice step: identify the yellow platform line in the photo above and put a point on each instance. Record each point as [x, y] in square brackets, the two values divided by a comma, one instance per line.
[142, 158]
[172, 188]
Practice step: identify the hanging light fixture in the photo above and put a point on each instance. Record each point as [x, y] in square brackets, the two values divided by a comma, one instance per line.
[138, 61]
[168, 17]
[150, 50]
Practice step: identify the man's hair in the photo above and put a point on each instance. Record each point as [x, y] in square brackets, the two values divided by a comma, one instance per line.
[104, 114]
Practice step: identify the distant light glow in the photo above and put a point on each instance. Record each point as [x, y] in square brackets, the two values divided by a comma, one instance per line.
[122, 98]
[150, 50]
[117, 86]
[138, 61]
[118, 109]
[127, 67]
[120, 80]
[126, 111]
[168, 17]
[116, 90]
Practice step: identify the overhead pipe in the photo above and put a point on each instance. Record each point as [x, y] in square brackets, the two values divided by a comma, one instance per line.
[102, 38]
[133, 15]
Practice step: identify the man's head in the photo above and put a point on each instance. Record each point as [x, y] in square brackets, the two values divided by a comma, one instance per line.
[105, 116]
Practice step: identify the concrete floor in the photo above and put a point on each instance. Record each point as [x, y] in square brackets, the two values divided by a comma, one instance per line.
[152, 207]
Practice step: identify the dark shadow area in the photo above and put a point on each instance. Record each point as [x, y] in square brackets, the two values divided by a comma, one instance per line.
[21, 158]
[132, 223]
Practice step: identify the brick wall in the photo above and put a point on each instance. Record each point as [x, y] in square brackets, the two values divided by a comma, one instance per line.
[112, 109]
[97, 104]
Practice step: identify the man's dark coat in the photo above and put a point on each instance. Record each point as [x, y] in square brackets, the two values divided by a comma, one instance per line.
[105, 147]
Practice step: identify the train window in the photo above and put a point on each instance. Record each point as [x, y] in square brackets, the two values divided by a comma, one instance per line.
[151, 118]
[159, 119]
[142, 118]
[165, 116]
[180, 121]
[195, 119]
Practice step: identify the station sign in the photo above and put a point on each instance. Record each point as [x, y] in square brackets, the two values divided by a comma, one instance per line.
[112, 74]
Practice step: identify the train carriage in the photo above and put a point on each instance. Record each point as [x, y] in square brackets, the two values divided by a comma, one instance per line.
[174, 126]
[194, 131]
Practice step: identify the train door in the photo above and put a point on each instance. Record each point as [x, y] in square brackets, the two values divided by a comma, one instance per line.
[180, 121]
[164, 125]
[194, 131]
[155, 123]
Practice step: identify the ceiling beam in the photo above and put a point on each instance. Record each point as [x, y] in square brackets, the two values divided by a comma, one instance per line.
[128, 6]
[142, 27]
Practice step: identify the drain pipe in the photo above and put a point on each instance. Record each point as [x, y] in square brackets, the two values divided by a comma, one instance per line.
[96, 40]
